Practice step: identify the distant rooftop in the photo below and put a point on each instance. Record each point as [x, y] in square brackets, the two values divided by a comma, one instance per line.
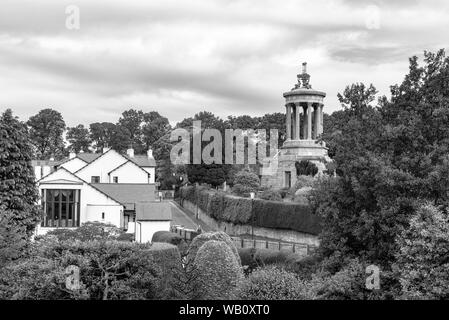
[127, 193]
[153, 211]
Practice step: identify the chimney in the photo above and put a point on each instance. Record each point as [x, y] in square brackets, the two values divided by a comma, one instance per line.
[150, 153]
[106, 149]
[130, 152]
[72, 155]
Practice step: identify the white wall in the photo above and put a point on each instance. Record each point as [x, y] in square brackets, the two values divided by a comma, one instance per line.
[129, 173]
[93, 202]
[146, 229]
[73, 164]
[102, 166]
[112, 214]
[152, 172]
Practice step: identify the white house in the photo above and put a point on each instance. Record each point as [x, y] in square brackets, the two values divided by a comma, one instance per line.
[105, 187]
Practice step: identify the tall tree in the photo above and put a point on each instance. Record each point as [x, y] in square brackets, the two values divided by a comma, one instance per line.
[106, 134]
[18, 193]
[132, 120]
[155, 127]
[78, 138]
[46, 129]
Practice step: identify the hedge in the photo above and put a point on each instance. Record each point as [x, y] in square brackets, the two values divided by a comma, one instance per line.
[264, 213]
[167, 237]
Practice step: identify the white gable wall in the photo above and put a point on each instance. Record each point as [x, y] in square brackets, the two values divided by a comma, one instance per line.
[102, 166]
[146, 229]
[129, 173]
[73, 164]
[152, 172]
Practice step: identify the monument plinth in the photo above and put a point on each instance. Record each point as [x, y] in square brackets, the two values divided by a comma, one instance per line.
[304, 124]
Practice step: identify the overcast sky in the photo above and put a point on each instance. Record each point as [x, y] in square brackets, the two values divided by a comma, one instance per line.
[181, 57]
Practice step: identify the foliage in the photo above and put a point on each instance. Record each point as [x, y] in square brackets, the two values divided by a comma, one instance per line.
[12, 240]
[108, 270]
[422, 261]
[88, 231]
[306, 168]
[46, 129]
[78, 138]
[257, 257]
[202, 238]
[245, 182]
[167, 237]
[272, 195]
[219, 272]
[304, 181]
[267, 214]
[18, 193]
[273, 283]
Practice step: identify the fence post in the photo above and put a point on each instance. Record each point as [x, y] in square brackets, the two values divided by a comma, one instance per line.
[293, 248]
[266, 244]
[279, 245]
[254, 244]
[242, 243]
[307, 246]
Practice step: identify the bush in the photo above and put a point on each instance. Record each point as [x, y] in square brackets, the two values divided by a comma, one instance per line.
[273, 283]
[218, 272]
[306, 168]
[245, 182]
[127, 237]
[421, 261]
[272, 195]
[201, 239]
[167, 237]
[108, 270]
[88, 231]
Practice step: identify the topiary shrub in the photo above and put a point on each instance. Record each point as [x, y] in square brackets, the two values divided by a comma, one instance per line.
[273, 283]
[168, 258]
[167, 237]
[202, 238]
[88, 231]
[127, 237]
[245, 182]
[218, 272]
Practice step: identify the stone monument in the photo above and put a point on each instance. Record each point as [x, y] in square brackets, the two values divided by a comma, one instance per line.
[302, 132]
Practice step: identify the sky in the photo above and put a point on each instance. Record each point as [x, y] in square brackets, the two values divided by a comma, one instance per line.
[229, 57]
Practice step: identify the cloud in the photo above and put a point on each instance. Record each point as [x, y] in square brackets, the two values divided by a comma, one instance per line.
[228, 57]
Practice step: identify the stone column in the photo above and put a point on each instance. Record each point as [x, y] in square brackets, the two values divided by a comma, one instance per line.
[304, 123]
[293, 122]
[309, 120]
[320, 124]
[316, 125]
[297, 124]
[289, 122]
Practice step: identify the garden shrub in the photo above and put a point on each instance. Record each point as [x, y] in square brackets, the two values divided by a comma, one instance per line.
[304, 181]
[127, 237]
[108, 269]
[237, 210]
[421, 261]
[202, 238]
[245, 182]
[306, 168]
[272, 195]
[167, 237]
[88, 231]
[219, 272]
[273, 283]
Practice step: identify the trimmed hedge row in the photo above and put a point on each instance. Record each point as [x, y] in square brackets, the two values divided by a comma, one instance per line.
[261, 213]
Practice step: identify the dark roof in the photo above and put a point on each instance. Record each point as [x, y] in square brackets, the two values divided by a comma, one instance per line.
[88, 157]
[141, 160]
[128, 193]
[153, 211]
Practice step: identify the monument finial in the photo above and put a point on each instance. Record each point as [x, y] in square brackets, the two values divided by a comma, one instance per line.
[304, 67]
[303, 78]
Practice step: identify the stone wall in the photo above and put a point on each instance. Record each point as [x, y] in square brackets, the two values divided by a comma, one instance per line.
[240, 229]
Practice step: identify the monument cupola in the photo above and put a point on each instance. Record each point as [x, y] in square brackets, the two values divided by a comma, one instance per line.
[303, 98]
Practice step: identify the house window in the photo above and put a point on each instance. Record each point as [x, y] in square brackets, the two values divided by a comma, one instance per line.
[95, 179]
[61, 208]
[115, 179]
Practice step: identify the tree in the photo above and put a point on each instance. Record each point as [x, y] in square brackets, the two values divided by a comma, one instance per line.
[106, 134]
[245, 182]
[78, 138]
[154, 127]
[131, 120]
[306, 168]
[423, 258]
[46, 129]
[18, 193]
